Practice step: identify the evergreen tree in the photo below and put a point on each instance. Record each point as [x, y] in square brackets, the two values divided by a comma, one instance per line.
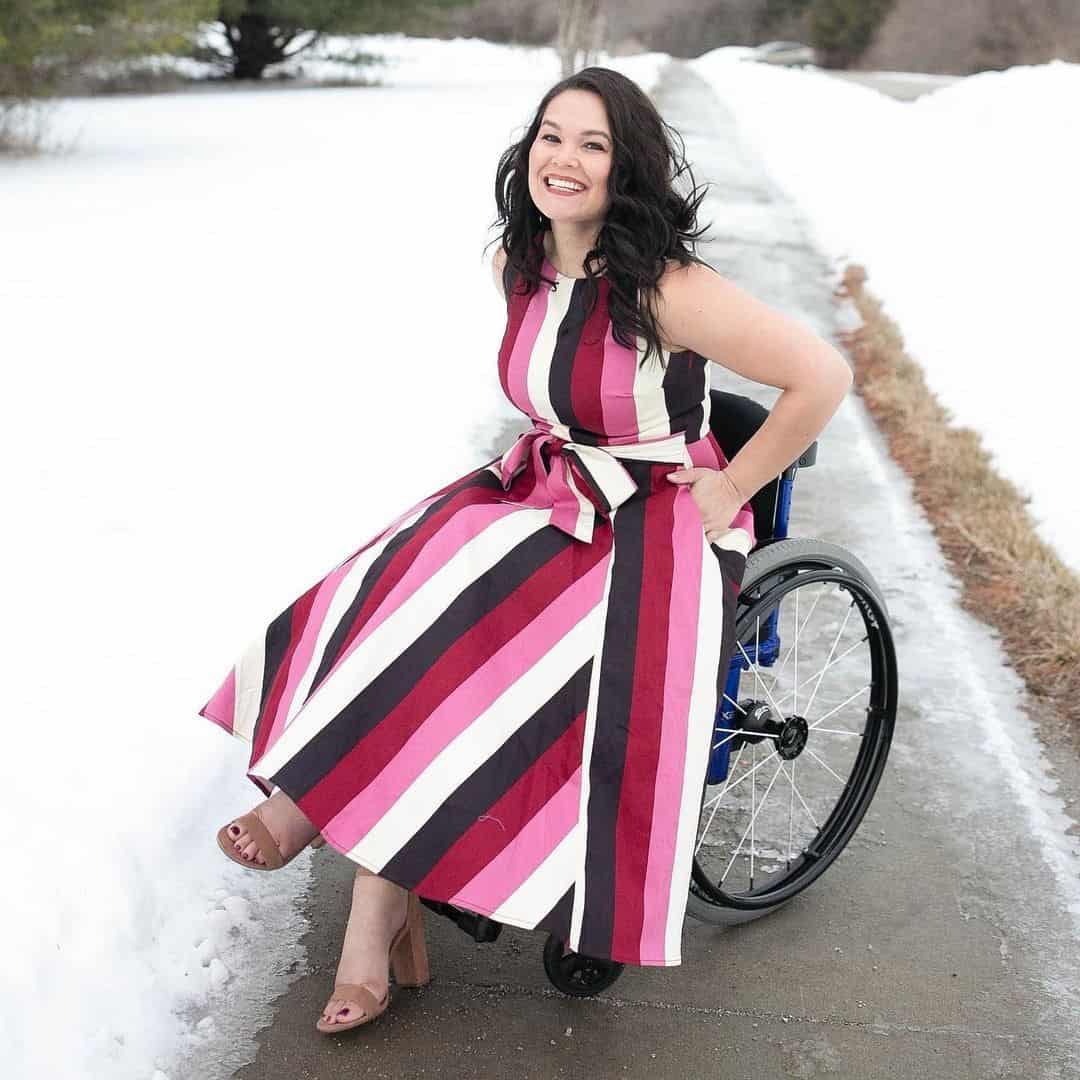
[43, 40]
[841, 30]
[264, 32]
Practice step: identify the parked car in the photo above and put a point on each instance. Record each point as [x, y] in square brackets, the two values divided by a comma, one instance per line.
[790, 53]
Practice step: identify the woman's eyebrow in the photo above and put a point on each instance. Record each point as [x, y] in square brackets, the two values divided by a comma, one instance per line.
[592, 131]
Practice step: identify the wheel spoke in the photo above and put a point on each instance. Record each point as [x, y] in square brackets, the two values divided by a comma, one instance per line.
[821, 719]
[818, 674]
[753, 818]
[732, 785]
[798, 795]
[716, 799]
[825, 765]
[836, 641]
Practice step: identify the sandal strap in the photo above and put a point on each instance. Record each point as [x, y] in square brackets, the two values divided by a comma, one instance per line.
[264, 841]
[363, 996]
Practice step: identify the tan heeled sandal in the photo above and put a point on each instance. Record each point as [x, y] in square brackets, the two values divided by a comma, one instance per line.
[263, 840]
[408, 964]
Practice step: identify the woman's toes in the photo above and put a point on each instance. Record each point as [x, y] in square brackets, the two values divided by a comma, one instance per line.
[250, 851]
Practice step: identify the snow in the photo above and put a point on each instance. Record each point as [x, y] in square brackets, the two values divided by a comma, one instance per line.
[210, 301]
[961, 206]
[222, 377]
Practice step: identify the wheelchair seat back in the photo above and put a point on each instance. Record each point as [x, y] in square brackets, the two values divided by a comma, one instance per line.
[734, 419]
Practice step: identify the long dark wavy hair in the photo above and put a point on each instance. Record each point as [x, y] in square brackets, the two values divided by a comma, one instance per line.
[648, 221]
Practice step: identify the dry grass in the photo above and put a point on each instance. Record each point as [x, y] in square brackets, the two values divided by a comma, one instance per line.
[1011, 578]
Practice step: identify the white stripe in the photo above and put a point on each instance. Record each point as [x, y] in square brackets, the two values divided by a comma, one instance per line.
[532, 899]
[734, 540]
[249, 680]
[586, 519]
[475, 744]
[702, 716]
[400, 629]
[652, 412]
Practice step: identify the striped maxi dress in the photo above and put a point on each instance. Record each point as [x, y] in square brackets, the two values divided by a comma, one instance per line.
[505, 699]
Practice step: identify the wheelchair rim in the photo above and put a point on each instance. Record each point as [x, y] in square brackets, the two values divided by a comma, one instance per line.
[822, 842]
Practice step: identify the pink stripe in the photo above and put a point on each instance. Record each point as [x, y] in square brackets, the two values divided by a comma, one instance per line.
[460, 709]
[221, 708]
[517, 368]
[687, 538]
[518, 861]
[617, 388]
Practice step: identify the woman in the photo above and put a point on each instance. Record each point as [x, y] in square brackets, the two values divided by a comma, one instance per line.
[505, 699]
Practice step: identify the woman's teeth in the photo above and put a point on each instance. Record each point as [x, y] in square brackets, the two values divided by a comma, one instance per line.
[562, 185]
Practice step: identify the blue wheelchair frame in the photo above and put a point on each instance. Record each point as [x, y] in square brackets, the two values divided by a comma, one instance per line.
[734, 419]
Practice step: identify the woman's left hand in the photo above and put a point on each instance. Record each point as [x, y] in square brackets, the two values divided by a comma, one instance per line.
[717, 498]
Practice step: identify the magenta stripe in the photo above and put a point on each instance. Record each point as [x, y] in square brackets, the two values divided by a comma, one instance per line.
[460, 709]
[517, 367]
[305, 647]
[617, 388]
[687, 540]
[519, 860]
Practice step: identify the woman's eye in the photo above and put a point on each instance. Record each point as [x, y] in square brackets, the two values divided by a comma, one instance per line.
[599, 146]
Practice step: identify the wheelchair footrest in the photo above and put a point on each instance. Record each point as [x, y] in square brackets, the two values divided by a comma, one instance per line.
[478, 927]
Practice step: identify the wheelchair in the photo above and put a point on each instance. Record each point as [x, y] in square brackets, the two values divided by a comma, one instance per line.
[802, 729]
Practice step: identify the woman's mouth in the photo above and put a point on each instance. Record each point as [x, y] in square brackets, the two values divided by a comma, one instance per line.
[565, 188]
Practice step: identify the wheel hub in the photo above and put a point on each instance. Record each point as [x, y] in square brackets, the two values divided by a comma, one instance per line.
[760, 722]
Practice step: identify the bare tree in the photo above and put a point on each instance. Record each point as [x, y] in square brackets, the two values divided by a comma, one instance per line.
[582, 33]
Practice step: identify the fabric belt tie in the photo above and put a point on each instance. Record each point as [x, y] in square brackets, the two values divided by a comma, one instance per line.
[583, 480]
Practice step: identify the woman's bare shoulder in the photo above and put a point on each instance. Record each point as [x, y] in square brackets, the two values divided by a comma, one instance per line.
[677, 284]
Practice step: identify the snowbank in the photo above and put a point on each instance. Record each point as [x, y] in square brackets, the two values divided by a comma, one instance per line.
[962, 207]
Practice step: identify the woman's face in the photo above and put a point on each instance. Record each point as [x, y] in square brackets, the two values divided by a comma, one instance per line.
[574, 143]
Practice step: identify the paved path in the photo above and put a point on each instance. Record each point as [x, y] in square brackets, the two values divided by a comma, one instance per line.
[937, 946]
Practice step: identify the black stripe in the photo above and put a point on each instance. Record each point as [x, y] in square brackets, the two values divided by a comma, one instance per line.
[276, 645]
[612, 725]
[567, 338]
[390, 687]
[684, 393]
[490, 781]
[560, 918]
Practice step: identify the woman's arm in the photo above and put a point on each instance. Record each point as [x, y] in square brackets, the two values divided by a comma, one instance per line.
[704, 311]
[498, 264]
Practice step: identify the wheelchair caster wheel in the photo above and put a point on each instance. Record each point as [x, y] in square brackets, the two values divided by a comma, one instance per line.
[575, 974]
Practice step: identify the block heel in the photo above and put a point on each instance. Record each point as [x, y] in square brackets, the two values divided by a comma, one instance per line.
[408, 954]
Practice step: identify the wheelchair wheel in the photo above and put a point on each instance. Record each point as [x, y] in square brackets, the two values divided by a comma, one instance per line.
[575, 974]
[808, 737]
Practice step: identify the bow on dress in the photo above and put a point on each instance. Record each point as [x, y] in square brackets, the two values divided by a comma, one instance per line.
[582, 480]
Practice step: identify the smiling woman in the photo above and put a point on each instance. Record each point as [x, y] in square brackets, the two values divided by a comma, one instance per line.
[504, 700]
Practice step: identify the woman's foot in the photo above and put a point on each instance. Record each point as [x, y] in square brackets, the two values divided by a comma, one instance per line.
[379, 910]
[287, 823]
